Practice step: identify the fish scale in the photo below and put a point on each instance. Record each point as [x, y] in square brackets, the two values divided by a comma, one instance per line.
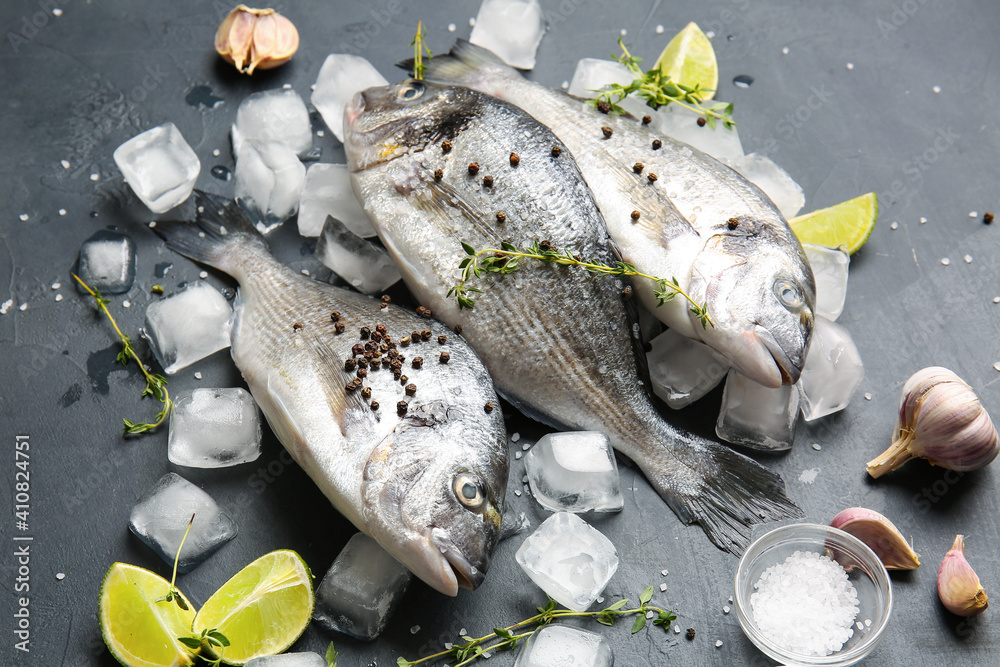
[395, 474]
[557, 340]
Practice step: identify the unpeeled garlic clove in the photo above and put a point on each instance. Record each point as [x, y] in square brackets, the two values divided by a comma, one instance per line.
[256, 39]
[940, 419]
[880, 535]
[958, 586]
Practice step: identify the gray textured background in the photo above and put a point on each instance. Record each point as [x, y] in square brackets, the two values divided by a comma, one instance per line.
[76, 86]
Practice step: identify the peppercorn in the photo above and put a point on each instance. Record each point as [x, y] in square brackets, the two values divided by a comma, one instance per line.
[638, 167]
[424, 312]
[362, 373]
[416, 337]
[365, 333]
[701, 122]
[473, 168]
[401, 407]
[556, 151]
[339, 327]
[635, 215]
[362, 363]
[386, 298]
[646, 120]
[405, 341]
[374, 406]
[732, 223]
[366, 393]
[627, 292]
[445, 146]
[987, 217]
[501, 217]
[458, 328]
[488, 407]
[657, 144]
[607, 132]
[297, 326]
[444, 357]
[438, 174]
[417, 362]
[651, 177]
[442, 339]
[334, 316]
[690, 633]
[487, 181]
[411, 389]
[515, 159]
[604, 107]
[426, 334]
[357, 349]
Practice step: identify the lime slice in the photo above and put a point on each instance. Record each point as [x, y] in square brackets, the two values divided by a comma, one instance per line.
[263, 609]
[139, 631]
[848, 224]
[690, 59]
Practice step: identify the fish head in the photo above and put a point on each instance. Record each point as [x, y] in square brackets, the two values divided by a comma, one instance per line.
[385, 122]
[760, 295]
[433, 493]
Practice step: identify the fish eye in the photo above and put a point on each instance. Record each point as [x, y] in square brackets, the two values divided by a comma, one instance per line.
[788, 294]
[469, 490]
[410, 91]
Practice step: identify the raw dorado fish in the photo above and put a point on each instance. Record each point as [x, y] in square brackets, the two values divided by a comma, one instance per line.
[557, 340]
[699, 221]
[426, 479]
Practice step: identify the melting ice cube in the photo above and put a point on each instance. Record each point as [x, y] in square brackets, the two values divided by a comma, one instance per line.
[289, 660]
[161, 516]
[273, 115]
[269, 181]
[683, 370]
[214, 428]
[188, 326]
[328, 191]
[340, 78]
[159, 166]
[832, 373]
[574, 472]
[107, 263]
[361, 590]
[559, 645]
[773, 180]
[568, 559]
[758, 417]
[512, 29]
[830, 267]
[682, 124]
[363, 264]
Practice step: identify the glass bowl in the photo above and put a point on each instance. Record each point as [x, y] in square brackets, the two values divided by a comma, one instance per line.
[865, 571]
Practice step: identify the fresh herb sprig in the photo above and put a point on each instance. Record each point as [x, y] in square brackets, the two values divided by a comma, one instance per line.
[156, 384]
[506, 639]
[174, 595]
[331, 656]
[419, 48]
[658, 89]
[505, 260]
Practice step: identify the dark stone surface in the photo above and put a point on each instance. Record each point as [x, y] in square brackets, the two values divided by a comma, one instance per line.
[76, 86]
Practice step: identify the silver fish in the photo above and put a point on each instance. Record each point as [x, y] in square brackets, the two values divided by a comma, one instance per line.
[557, 340]
[428, 482]
[699, 221]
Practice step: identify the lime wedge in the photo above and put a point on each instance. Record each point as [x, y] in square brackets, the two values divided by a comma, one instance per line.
[139, 631]
[848, 224]
[263, 609]
[690, 59]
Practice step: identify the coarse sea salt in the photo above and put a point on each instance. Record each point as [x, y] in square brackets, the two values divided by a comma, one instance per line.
[806, 604]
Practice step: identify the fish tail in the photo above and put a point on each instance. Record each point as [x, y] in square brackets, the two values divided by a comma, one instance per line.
[463, 64]
[220, 236]
[723, 491]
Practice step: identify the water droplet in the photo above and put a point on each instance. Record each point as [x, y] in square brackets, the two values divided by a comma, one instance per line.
[202, 96]
[222, 173]
[742, 80]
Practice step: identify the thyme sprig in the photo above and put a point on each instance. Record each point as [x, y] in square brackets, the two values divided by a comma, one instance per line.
[419, 48]
[174, 595]
[507, 638]
[156, 384]
[658, 89]
[506, 260]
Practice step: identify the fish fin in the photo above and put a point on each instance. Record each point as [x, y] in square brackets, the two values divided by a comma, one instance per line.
[725, 492]
[463, 64]
[532, 412]
[349, 405]
[221, 227]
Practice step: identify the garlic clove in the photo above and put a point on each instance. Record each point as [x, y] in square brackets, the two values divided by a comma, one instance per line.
[940, 419]
[275, 41]
[232, 40]
[958, 586]
[880, 535]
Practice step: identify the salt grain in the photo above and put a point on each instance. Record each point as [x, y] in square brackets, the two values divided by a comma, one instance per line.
[517, 492]
[850, 65]
[726, 609]
[216, 153]
[894, 225]
[973, 214]
[415, 629]
[659, 30]
[126, 303]
[23, 307]
[923, 221]
[472, 22]
[56, 12]
[5, 306]
[710, 34]
[65, 164]
[23, 217]
[868, 396]
[600, 599]
[996, 299]
[565, 85]
[515, 437]
[996, 366]
[526, 446]
[663, 588]
[650, 614]
[517, 455]
[59, 297]
[945, 261]
[320, 133]
[817, 446]
[677, 629]
[623, 32]
[305, 272]
[452, 27]
[56, 285]
[784, 51]
[60, 576]
[62, 211]
[718, 643]
[936, 89]
[95, 177]
[197, 375]
[203, 275]
[968, 259]
[664, 572]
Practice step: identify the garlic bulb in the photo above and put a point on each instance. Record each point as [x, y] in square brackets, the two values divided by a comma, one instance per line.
[880, 535]
[958, 586]
[256, 39]
[940, 419]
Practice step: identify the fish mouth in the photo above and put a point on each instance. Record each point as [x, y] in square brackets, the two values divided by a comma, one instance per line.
[354, 108]
[787, 370]
[460, 570]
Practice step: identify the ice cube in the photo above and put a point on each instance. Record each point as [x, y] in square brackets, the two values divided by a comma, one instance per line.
[107, 263]
[682, 124]
[758, 417]
[366, 266]
[289, 660]
[269, 181]
[830, 267]
[159, 166]
[568, 559]
[574, 472]
[593, 74]
[214, 428]
[340, 78]
[563, 646]
[361, 590]
[832, 373]
[161, 516]
[188, 326]
[512, 29]
[683, 370]
[328, 192]
[773, 180]
[273, 115]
